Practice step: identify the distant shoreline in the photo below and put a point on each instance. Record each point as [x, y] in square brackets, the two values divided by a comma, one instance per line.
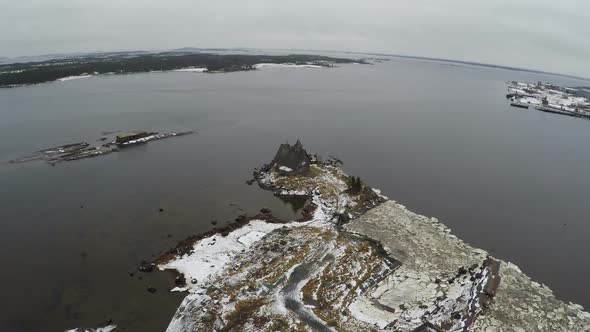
[64, 69]
[48, 57]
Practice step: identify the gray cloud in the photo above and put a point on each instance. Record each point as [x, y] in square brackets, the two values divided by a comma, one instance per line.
[538, 34]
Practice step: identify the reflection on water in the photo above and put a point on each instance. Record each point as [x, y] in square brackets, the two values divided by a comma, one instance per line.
[296, 203]
[440, 139]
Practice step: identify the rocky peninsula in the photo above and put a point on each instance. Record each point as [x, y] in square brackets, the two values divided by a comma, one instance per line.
[355, 261]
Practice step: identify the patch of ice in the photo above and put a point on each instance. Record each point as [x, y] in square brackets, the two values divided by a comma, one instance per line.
[178, 322]
[12, 71]
[284, 65]
[140, 140]
[107, 328]
[191, 70]
[285, 192]
[364, 311]
[251, 237]
[286, 169]
[530, 100]
[70, 78]
[179, 289]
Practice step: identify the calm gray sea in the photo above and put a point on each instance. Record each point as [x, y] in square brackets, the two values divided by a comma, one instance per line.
[437, 137]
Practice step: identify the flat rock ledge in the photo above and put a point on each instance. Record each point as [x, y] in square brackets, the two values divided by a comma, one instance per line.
[433, 271]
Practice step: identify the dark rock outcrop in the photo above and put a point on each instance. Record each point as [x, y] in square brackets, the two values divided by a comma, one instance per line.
[291, 159]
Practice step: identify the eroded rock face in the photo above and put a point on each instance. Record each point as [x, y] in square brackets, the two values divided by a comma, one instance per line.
[441, 277]
[525, 305]
[291, 159]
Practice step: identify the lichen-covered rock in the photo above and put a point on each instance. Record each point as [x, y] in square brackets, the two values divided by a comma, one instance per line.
[438, 267]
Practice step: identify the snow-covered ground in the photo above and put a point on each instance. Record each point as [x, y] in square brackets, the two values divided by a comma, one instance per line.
[211, 255]
[107, 328]
[71, 78]
[12, 71]
[191, 70]
[284, 65]
[534, 94]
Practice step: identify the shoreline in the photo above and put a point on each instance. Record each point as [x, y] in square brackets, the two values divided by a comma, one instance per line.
[15, 75]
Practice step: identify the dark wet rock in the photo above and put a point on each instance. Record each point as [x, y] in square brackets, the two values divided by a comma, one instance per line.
[151, 289]
[250, 182]
[106, 323]
[291, 159]
[193, 281]
[214, 222]
[265, 210]
[102, 139]
[146, 267]
[179, 280]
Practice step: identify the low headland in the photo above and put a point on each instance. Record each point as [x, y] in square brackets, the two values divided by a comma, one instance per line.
[65, 69]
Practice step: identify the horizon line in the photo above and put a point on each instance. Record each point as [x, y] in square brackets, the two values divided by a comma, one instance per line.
[403, 56]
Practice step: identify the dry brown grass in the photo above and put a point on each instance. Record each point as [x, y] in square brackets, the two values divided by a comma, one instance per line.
[245, 310]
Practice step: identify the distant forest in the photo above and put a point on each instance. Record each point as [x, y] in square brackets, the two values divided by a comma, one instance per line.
[18, 74]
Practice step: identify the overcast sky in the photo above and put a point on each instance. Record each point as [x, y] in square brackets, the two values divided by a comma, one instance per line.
[538, 34]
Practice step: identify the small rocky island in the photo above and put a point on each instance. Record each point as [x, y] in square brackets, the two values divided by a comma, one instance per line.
[355, 261]
[83, 150]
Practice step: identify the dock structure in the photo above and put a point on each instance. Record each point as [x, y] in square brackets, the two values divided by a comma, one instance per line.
[549, 98]
[561, 111]
[520, 105]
